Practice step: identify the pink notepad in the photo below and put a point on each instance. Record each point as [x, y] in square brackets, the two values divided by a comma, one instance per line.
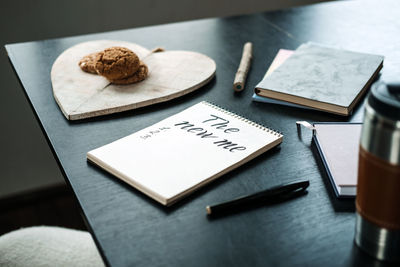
[338, 144]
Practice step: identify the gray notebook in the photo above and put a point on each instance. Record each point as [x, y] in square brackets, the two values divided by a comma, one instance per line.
[323, 78]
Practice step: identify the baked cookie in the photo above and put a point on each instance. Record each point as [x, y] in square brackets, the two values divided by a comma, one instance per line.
[117, 63]
[88, 63]
[138, 76]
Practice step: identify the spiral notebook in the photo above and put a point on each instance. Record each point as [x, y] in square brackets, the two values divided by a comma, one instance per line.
[174, 157]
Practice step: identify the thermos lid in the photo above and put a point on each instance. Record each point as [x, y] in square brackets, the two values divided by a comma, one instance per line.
[385, 99]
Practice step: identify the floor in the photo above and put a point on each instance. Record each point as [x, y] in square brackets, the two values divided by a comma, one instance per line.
[55, 206]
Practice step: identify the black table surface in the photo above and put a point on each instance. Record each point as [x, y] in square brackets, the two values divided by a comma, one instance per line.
[132, 229]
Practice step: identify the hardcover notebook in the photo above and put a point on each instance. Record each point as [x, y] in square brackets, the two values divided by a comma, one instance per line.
[338, 145]
[323, 78]
[181, 153]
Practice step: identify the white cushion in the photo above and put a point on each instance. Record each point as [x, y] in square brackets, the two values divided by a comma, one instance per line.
[48, 246]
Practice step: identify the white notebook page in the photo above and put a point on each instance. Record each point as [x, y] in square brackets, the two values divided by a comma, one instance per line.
[175, 156]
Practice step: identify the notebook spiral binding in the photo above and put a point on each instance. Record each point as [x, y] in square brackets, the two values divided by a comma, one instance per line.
[260, 126]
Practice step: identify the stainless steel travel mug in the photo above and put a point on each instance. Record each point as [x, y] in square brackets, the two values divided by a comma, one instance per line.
[378, 187]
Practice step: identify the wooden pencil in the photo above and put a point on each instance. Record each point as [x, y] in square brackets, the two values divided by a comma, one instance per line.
[244, 66]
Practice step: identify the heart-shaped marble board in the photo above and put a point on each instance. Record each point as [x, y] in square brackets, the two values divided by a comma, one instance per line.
[83, 95]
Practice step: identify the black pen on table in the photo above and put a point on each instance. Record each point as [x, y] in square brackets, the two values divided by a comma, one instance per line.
[276, 193]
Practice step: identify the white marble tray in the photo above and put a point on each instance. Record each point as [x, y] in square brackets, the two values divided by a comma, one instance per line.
[83, 95]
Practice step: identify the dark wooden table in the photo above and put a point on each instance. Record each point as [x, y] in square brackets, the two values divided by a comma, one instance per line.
[132, 230]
